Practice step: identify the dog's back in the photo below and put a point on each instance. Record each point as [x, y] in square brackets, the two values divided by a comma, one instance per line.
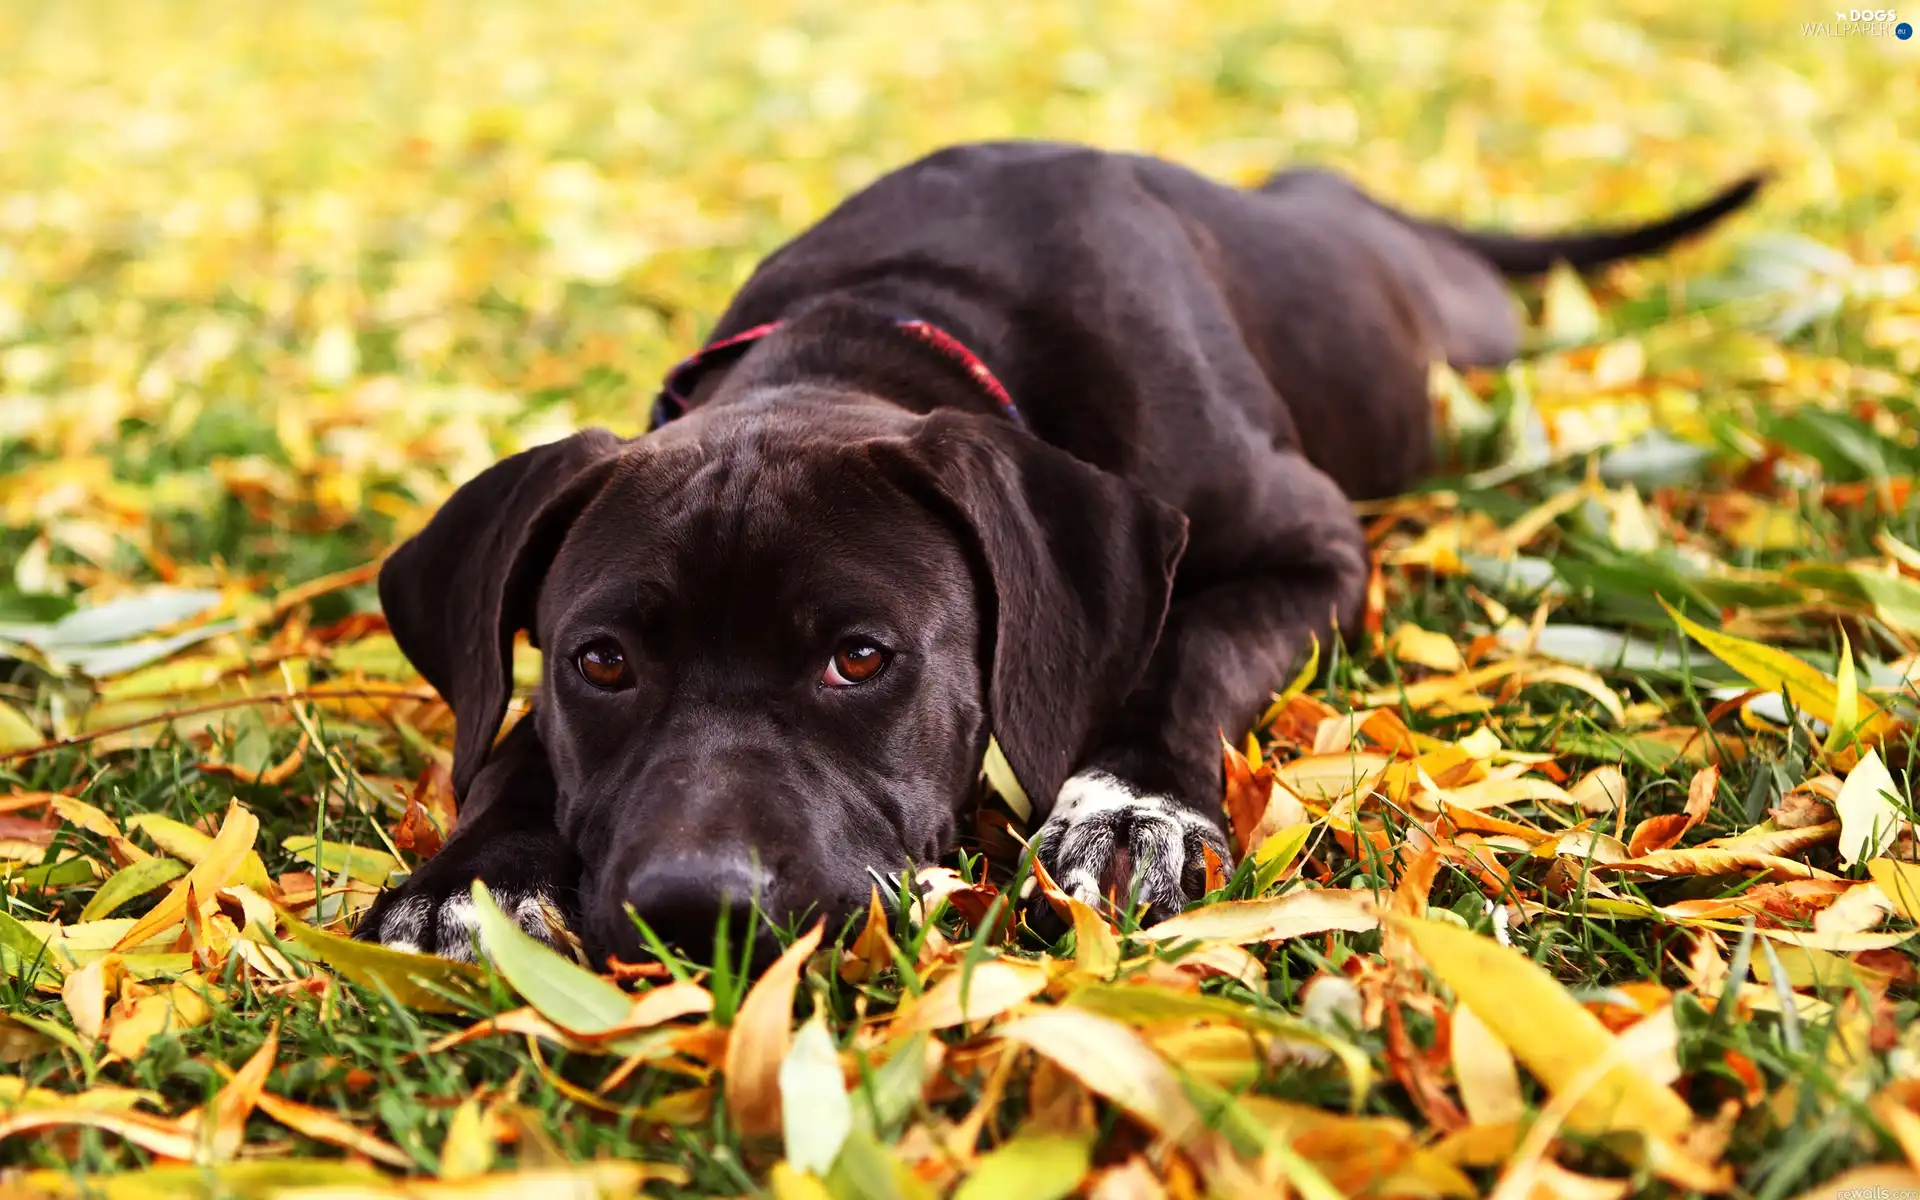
[1111, 291]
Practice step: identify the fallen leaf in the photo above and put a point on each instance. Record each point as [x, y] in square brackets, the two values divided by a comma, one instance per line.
[415, 980]
[760, 1040]
[1030, 1167]
[1296, 914]
[816, 1115]
[1548, 1030]
[238, 1097]
[1868, 808]
[323, 1126]
[966, 997]
[1111, 1060]
[564, 992]
[213, 872]
[1484, 1070]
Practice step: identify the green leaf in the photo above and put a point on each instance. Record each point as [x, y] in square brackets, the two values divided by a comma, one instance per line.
[1893, 598]
[376, 867]
[1277, 853]
[415, 980]
[1766, 666]
[23, 954]
[1846, 704]
[136, 880]
[815, 1113]
[65, 873]
[1031, 1167]
[1001, 778]
[116, 620]
[560, 989]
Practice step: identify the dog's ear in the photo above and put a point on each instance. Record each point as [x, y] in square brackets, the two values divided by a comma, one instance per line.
[1080, 565]
[457, 592]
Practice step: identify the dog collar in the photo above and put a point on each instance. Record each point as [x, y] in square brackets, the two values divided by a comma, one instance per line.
[677, 389]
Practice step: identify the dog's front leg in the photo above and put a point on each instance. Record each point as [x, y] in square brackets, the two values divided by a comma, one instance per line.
[506, 837]
[1134, 819]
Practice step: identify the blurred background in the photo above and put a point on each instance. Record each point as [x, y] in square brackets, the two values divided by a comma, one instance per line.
[274, 276]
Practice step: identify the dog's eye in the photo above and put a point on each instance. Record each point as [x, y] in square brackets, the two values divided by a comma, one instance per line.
[604, 665]
[855, 660]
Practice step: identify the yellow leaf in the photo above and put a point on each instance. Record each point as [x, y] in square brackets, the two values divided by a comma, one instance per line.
[1774, 669]
[1549, 1031]
[182, 1004]
[16, 731]
[1493, 793]
[1484, 1069]
[1423, 648]
[1296, 914]
[1096, 950]
[468, 1149]
[1322, 778]
[85, 995]
[1869, 816]
[1568, 314]
[989, 989]
[1005, 783]
[1111, 1059]
[1901, 883]
[190, 846]
[1600, 791]
[223, 858]
[761, 1036]
[86, 816]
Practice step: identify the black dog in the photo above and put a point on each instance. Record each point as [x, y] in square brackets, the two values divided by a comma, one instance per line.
[931, 482]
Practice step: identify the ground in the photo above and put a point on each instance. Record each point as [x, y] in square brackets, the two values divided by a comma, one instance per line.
[1544, 893]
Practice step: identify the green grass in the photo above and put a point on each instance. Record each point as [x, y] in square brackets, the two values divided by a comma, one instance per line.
[273, 280]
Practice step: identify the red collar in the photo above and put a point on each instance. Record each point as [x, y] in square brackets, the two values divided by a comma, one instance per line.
[678, 387]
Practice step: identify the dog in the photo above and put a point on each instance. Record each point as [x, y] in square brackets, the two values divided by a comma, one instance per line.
[1024, 440]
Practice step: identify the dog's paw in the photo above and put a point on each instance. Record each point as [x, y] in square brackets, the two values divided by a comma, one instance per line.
[1106, 839]
[433, 911]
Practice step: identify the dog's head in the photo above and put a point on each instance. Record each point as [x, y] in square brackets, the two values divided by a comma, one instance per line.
[776, 637]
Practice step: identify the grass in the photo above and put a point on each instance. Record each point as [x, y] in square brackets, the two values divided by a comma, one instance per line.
[273, 280]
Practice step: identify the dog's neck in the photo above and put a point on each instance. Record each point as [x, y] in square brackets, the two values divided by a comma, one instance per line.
[856, 343]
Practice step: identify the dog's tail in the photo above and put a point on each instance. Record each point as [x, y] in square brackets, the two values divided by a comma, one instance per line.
[1519, 256]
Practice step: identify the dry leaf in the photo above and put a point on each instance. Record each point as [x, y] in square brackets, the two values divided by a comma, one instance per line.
[760, 1039]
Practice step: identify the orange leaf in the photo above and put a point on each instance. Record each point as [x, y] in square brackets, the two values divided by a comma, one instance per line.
[156, 1135]
[241, 1093]
[872, 952]
[1665, 831]
[761, 1035]
[323, 1126]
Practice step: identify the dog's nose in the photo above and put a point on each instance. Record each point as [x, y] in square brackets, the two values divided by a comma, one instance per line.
[682, 900]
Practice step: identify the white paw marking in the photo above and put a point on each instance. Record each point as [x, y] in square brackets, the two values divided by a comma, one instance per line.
[459, 928]
[456, 924]
[1098, 816]
[405, 923]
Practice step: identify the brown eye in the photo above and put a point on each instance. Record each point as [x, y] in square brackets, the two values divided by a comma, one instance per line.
[856, 660]
[604, 665]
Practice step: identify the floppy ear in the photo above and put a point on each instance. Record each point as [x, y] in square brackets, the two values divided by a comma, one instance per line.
[457, 591]
[1081, 565]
